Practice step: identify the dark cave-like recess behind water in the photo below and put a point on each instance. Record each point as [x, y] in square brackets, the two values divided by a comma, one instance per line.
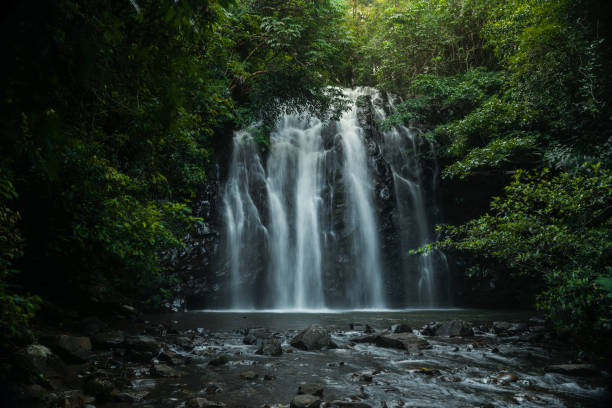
[323, 217]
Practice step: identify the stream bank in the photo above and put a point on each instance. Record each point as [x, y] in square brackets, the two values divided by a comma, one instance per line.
[450, 358]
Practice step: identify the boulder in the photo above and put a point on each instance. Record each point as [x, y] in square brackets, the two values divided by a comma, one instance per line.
[574, 369]
[71, 348]
[142, 343]
[255, 336]
[505, 378]
[203, 403]
[454, 328]
[305, 401]
[37, 359]
[270, 347]
[163, 370]
[402, 341]
[310, 389]
[401, 328]
[109, 339]
[430, 329]
[314, 337]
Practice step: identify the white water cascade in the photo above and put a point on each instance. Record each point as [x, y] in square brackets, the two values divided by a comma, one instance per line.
[302, 219]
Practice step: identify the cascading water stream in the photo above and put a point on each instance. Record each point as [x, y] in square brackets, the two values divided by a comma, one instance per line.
[302, 231]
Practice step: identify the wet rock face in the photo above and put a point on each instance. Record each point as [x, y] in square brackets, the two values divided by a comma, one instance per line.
[204, 266]
[314, 337]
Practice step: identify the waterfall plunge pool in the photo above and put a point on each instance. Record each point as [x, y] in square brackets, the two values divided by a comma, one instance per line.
[279, 319]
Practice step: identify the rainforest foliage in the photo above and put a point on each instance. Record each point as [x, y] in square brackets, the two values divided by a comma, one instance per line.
[112, 110]
[517, 92]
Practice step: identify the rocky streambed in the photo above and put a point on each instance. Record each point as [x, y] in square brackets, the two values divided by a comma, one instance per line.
[312, 360]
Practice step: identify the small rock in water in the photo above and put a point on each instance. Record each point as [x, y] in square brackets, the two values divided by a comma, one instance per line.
[163, 370]
[170, 357]
[248, 375]
[219, 361]
[129, 309]
[428, 371]
[213, 388]
[306, 401]
[310, 389]
[505, 378]
[365, 378]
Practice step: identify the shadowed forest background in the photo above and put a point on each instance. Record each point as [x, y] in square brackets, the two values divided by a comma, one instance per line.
[112, 111]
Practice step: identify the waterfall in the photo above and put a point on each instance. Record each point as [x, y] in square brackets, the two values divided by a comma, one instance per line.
[302, 220]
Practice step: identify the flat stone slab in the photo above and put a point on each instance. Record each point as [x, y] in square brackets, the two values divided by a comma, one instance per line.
[401, 341]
